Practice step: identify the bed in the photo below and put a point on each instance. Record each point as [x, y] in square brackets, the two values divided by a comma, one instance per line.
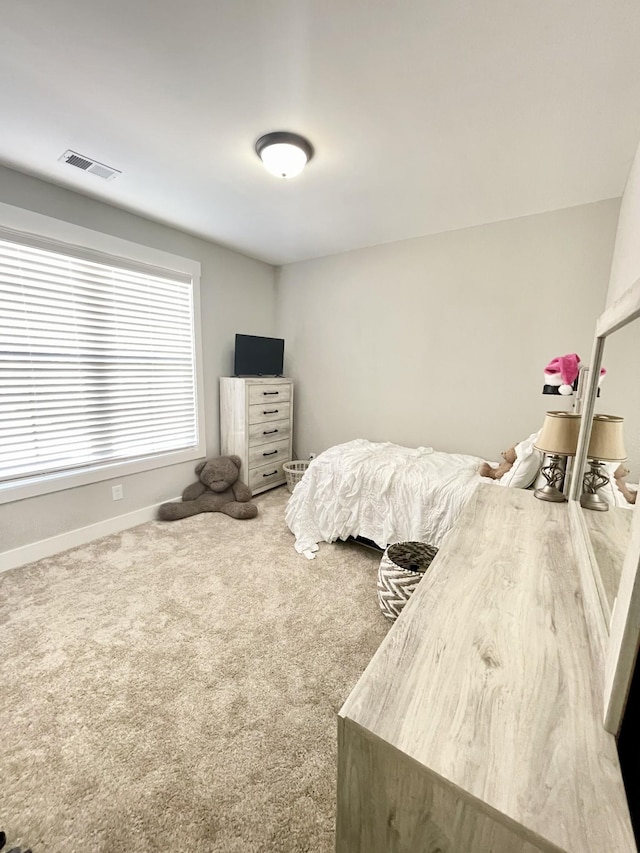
[380, 493]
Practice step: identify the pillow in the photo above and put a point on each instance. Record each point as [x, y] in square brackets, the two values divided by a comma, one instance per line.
[526, 467]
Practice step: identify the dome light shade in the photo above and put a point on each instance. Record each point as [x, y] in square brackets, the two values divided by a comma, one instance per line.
[284, 154]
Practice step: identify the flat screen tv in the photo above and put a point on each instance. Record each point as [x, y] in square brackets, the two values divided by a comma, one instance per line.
[258, 356]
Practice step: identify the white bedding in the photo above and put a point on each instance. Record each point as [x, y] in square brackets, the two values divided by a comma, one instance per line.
[380, 491]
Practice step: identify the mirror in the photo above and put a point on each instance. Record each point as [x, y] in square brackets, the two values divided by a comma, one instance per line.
[609, 531]
[609, 542]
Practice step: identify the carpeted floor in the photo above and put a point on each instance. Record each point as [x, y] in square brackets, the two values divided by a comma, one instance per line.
[175, 688]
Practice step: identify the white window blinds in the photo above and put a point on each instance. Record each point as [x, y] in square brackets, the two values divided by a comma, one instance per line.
[97, 360]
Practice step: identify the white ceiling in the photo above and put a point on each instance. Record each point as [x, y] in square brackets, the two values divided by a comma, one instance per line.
[426, 115]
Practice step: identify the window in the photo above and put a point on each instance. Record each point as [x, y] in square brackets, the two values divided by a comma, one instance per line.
[98, 364]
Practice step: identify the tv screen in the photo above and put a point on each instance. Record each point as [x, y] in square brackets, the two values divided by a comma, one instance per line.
[257, 356]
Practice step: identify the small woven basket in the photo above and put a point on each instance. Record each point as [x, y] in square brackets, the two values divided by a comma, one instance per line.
[294, 472]
[401, 569]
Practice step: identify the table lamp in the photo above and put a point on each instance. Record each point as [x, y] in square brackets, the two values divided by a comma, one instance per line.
[606, 444]
[558, 438]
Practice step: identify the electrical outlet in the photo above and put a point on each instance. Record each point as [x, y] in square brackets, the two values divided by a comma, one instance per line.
[117, 492]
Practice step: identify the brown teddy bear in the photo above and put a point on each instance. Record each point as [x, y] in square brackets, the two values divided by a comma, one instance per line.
[619, 475]
[509, 456]
[219, 490]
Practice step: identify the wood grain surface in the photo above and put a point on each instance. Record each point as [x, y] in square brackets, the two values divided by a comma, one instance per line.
[397, 806]
[486, 685]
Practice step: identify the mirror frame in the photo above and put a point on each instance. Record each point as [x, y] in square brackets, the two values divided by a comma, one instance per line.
[615, 636]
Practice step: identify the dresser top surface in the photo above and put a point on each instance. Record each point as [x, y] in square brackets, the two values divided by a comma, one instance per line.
[486, 679]
[257, 380]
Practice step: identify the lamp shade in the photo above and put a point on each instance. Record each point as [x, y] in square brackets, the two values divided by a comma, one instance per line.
[284, 154]
[607, 441]
[559, 433]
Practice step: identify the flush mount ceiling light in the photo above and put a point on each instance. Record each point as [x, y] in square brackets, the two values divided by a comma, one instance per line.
[284, 154]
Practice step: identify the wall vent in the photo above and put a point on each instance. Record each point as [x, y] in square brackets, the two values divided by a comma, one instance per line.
[89, 165]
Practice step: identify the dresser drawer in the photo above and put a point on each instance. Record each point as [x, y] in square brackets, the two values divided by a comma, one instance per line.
[271, 431]
[266, 475]
[263, 412]
[262, 454]
[269, 393]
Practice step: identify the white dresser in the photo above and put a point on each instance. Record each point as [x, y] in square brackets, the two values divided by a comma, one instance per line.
[256, 424]
[478, 725]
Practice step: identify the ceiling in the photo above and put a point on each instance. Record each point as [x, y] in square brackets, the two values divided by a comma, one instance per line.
[426, 115]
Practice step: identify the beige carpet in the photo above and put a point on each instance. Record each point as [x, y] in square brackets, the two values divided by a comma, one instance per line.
[175, 687]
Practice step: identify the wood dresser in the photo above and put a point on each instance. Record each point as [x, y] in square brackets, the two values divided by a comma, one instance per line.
[256, 423]
[478, 725]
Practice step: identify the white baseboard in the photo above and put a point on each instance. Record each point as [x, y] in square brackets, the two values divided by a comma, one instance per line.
[55, 544]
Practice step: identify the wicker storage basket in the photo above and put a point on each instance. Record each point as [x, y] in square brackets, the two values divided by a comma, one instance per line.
[294, 472]
[401, 569]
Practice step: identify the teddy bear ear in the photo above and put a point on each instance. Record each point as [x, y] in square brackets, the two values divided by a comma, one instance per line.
[236, 461]
[200, 466]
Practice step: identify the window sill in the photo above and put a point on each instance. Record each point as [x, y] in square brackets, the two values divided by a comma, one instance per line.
[31, 487]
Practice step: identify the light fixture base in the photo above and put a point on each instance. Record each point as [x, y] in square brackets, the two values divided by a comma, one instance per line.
[284, 154]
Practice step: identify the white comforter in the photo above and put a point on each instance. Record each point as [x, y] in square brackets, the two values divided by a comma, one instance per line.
[380, 491]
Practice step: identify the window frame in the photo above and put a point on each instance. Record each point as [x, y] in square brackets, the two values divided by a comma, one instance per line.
[78, 238]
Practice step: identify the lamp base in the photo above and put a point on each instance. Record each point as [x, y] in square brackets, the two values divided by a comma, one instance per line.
[593, 501]
[594, 479]
[553, 473]
[549, 493]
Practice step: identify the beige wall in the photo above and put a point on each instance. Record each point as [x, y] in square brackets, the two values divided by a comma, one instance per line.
[442, 341]
[237, 295]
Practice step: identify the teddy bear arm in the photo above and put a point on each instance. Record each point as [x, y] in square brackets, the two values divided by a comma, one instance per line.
[194, 491]
[619, 477]
[510, 456]
[502, 468]
[241, 491]
[629, 494]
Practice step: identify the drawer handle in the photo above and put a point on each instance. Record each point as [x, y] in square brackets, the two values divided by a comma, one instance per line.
[270, 393]
[269, 431]
[271, 473]
[270, 453]
[271, 412]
